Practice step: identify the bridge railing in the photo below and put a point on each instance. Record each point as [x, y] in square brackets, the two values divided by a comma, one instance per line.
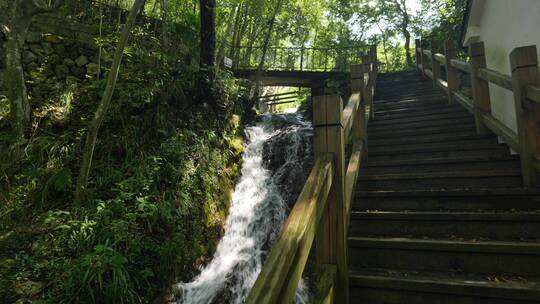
[322, 211]
[299, 58]
[524, 82]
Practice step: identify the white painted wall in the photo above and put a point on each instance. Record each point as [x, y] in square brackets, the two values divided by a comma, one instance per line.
[503, 25]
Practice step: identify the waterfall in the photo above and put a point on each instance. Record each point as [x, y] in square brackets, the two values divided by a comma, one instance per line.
[276, 154]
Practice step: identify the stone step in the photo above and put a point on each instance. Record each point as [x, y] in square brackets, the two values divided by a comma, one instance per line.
[406, 120]
[497, 168]
[427, 124]
[428, 138]
[403, 113]
[512, 180]
[501, 152]
[447, 201]
[480, 257]
[457, 145]
[443, 129]
[492, 225]
[386, 286]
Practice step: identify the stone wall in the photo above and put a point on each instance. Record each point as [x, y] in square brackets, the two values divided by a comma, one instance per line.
[58, 50]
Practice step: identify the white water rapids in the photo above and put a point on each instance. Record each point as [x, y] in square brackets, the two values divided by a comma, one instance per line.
[255, 218]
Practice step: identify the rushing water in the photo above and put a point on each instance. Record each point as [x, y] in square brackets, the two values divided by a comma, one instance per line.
[259, 208]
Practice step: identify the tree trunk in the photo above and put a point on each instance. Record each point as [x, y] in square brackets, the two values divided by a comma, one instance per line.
[407, 46]
[228, 33]
[258, 74]
[21, 15]
[101, 112]
[207, 51]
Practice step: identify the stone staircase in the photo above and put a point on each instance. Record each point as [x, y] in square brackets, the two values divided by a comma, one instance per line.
[440, 215]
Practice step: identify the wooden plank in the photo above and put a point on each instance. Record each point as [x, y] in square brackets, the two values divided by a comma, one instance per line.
[440, 58]
[451, 72]
[524, 66]
[465, 101]
[429, 73]
[324, 288]
[480, 87]
[443, 85]
[417, 52]
[281, 272]
[349, 114]
[533, 93]
[461, 65]
[331, 240]
[506, 134]
[351, 176]
[504, 81]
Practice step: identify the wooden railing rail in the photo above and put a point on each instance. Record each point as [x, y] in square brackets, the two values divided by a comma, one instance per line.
[524, 83]
[322, 211]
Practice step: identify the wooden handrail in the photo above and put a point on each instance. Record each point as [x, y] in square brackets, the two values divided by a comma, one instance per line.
[321, 214]
[533, 93]
[349, 112]
[461, 65]
[440, 58]
[285, 263]
[504, 81]
[524, 83]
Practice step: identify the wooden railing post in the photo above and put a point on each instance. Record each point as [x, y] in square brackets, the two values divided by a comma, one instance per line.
[417, 54]
[331, 239]
[451, 72]
[422, 60]
[480, 87]
[375, 70]
[360, 121]
[435, 65]
[524, 65]
[368, 86]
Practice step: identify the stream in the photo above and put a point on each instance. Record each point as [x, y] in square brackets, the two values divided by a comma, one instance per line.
[276, 158]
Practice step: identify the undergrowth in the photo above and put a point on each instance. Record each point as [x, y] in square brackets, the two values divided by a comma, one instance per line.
[162, 175]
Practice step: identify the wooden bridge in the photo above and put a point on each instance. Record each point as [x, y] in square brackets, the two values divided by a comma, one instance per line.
[440, 211]
[298, 66]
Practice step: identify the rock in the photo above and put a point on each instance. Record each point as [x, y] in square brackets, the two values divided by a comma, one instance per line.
[37, 50]
[28, 288]
[92, 69]
[28, 57]
[54, 58]
[81, 60]
[33, 37]
[68, 62]
[78, 72]
[61, 71]
[52, 38]
[47, 48]
[60, 50]
[287, 154]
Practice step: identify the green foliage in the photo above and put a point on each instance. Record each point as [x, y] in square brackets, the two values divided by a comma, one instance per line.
[160, 186]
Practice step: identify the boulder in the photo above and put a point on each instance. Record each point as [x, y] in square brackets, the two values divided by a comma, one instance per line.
[78, 72]
[52, 38]
[68, 62]
[47, 48]
[32, 37]
[81, 60]
[92, 69]
[29, 57]
[60, 50]
[61, 71]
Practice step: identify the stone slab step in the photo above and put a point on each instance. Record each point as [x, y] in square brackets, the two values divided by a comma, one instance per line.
[438, 184]
[385, 286]
[393, 133]
[481, 257]
[383, 116]
[429, 138]
[457, 145]
[422, 124]
[461, 202]
[406, 120]
[465, 169]
[492, 225]
[501, 152]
